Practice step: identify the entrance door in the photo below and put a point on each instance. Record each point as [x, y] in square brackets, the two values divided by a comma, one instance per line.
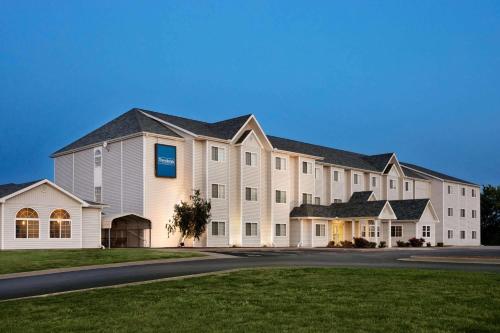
[337, 232]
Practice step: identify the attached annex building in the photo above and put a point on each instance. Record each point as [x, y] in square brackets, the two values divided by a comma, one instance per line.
[264, 190]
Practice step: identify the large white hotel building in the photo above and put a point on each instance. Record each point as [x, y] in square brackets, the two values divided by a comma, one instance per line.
[264, 190]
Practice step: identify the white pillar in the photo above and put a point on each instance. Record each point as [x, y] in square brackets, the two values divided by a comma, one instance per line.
[352, 230]
[377, 225]
[389, 236]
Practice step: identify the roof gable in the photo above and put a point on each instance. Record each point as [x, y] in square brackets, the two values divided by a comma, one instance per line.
[409, 210]
[21, 188]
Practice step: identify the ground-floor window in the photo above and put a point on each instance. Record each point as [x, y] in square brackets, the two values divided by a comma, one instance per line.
[474, 235]
[450, 234]
[371, 228]
[280, 230]
[396, 231]
[462, 234]
[250, 229]
[320, 230]
[60, 224]
[27, 224]
[426, 231]
[363, 231]
[218, 228]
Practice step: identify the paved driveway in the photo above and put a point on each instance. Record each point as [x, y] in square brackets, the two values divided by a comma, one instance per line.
[242, 258]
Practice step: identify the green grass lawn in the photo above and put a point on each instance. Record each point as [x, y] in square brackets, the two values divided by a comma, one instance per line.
[32, 260]
[272, 300]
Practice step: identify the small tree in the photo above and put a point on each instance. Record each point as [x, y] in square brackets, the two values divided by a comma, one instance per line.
[190, 218]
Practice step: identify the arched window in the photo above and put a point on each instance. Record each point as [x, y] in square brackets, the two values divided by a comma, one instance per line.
[27, 223]
[60, 224]
[97, 158]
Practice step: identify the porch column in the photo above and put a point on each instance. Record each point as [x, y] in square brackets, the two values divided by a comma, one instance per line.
[377, 225]
[389, 236]
[353, 223]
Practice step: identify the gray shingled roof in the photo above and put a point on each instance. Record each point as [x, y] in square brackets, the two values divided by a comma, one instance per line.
[412, 174]
[436, 174]
[407, 210]
[243, 136]
[225, 129]
[130, 122]
[361, 196]
[330, 155]
[8, 189]
[379, 161]
[340, 210]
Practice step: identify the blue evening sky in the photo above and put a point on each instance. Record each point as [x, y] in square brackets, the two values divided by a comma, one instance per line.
[420, 78]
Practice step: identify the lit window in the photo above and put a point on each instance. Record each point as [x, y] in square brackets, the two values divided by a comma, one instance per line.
[307, 167]
[426, 231]
[280, 230]
[250, 159]
[335, 176]
[371, 228]
[218, 228]
[320, 230]
[97, 158]
[218, 191]
[217, 154]
[356, 179]
[27, 223]
[462, 234]
[98, 194]
[317, 200]
[60, 224]
[280, 163]
[450, 234]
[250, 194]
[280, 196]
[250, 229]
[396, 231]
[306, 198]
[474, 235]
[450, 211]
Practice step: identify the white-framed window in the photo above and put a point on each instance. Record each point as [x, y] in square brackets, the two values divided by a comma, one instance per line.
[97, 158]
[250, 158]
[320, 230]
[218, 191]
[98, 194]
[450, 234]
[356, 179]
[371, 228]
[317, 200]
[60, 224]
[335, 176]
[218, 154]
[316, 173]
[306, 198]
[407, 186]
[307, 167]
[462, 234]
[337, 200]
[450, 189]
[374, 181]
[280, 230]
[280, 163]
[450, 211]
[396, 231]
[474, 214]
[251, 229]
[462, 212]
[280, 196]
[218, 228]
[473, 193]
[27, 224]
[392, 184]
[474, 234]
[250, 194]
[363, 231]
[426, 231]
[463, 191]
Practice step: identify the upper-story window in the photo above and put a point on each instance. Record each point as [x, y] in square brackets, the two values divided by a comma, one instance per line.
[335, 176]
[250, 159]
[462, 212]
[463, 191]
[450, 189]
[280, 196]
[356, 179]
[450, 211]
[392, 184]
[250, 194]
[218, 191]
[473, 193]
[307, 167]
[374, 181]
[474, 213]
[27, 223]
[97, 158]
[306, 198]
[280, 163]
[407, 186]
[218, 154]
[316, 173]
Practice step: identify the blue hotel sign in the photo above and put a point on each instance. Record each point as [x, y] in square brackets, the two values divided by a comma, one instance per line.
[165, 161]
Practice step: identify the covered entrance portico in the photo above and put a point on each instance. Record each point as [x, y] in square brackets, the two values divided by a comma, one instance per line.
[126, 230]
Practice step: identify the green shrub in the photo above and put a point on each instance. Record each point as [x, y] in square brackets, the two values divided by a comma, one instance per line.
[382, 244]
[346, 244]
[428, 244]
[331, 244]
[360, 242]
[416, 242]
[401, 243]
[372, 245]
[440, 244]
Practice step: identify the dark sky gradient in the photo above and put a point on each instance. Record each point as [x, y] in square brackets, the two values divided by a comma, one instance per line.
[421, 78]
